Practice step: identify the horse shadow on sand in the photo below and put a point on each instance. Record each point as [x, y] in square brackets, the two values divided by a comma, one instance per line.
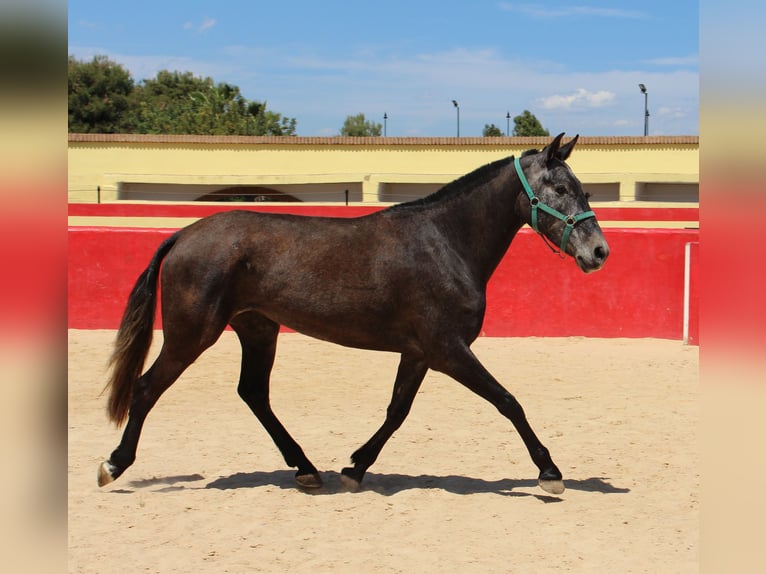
[385, 484]
[389, 484]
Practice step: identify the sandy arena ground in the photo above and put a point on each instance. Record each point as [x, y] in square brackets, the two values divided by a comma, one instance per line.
[454, 490]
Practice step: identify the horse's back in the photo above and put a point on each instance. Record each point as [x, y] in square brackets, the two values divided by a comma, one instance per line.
[378, 281]
[312, 274]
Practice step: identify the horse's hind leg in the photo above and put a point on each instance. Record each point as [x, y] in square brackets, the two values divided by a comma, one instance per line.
[258, 336]
[408, 379]
[146, 391]
[462, 365]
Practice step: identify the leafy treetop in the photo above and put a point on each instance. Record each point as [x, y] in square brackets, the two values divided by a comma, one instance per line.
[103, 98]
[359, 126]
[527, 124]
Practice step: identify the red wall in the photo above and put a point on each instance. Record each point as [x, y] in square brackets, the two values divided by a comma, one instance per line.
[639, 293]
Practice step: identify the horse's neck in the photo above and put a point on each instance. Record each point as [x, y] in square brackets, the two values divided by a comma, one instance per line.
[485, 221]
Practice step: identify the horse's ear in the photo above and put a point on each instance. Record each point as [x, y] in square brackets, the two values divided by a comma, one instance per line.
[567, 148]
[552, 148]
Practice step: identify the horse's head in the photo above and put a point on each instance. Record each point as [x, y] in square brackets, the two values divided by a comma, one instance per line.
[555, 205]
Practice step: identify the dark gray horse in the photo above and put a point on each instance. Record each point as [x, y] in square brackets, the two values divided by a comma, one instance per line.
[410, 279]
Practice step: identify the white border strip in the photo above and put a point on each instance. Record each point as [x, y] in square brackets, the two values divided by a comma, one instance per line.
[687, 275]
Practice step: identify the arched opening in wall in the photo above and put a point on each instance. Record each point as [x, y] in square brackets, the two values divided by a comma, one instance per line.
[602, 191]
[675, 192]
[249, 193]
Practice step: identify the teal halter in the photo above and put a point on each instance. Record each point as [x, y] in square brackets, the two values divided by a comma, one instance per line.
[569, 220]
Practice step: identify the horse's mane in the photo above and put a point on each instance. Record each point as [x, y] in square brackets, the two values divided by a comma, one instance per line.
[463, 184]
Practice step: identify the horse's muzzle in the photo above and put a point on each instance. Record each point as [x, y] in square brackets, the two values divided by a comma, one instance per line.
[593, 258]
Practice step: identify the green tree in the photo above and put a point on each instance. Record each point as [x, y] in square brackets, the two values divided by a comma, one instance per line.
[358, 126]
[166, 104]
[99, 96]
[527, 124]
[182, 103]
[265, 122]
[491, 130]
[104, 98]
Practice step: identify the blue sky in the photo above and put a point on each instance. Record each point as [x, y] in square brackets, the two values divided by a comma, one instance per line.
[575, 64]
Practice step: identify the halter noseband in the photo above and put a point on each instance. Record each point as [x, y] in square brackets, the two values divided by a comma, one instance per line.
[569, 220]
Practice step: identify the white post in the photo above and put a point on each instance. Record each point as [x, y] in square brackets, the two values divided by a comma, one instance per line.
[687, 277]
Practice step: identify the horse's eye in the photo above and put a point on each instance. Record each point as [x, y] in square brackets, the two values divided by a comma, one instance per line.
[561, 189]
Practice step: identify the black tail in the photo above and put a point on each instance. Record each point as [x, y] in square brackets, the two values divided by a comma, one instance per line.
[134, 336]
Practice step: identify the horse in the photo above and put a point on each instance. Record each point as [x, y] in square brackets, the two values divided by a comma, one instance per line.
[409, 279]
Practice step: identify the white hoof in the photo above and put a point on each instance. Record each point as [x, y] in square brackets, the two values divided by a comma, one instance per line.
[552, 486]
[106, 473]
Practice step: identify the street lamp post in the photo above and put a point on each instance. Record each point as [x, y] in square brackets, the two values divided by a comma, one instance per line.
[507, 123]
[642, 87]
[385, 123]
[457, 107]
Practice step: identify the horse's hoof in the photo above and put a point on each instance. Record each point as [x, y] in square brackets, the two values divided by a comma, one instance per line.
[309, 480]
[552, 486]
[106, 473]
[348, 482]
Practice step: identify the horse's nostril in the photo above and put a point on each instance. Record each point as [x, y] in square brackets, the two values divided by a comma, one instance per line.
[600, 253]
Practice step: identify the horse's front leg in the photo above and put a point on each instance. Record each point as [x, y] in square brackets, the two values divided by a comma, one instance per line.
[408, 379]
[461, 364]
[258, 337]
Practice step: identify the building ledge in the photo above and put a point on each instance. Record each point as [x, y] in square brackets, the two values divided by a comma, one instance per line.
[376, 141]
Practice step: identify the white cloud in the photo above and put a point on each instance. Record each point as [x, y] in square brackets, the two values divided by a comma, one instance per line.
[671, 112]
[675, 61]
[581, 98]
[206, 24]
[546, 11]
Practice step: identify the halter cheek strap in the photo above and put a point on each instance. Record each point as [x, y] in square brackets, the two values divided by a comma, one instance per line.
[569, 220]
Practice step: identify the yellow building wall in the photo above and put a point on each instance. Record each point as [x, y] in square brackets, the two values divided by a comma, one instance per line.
[110, 162]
